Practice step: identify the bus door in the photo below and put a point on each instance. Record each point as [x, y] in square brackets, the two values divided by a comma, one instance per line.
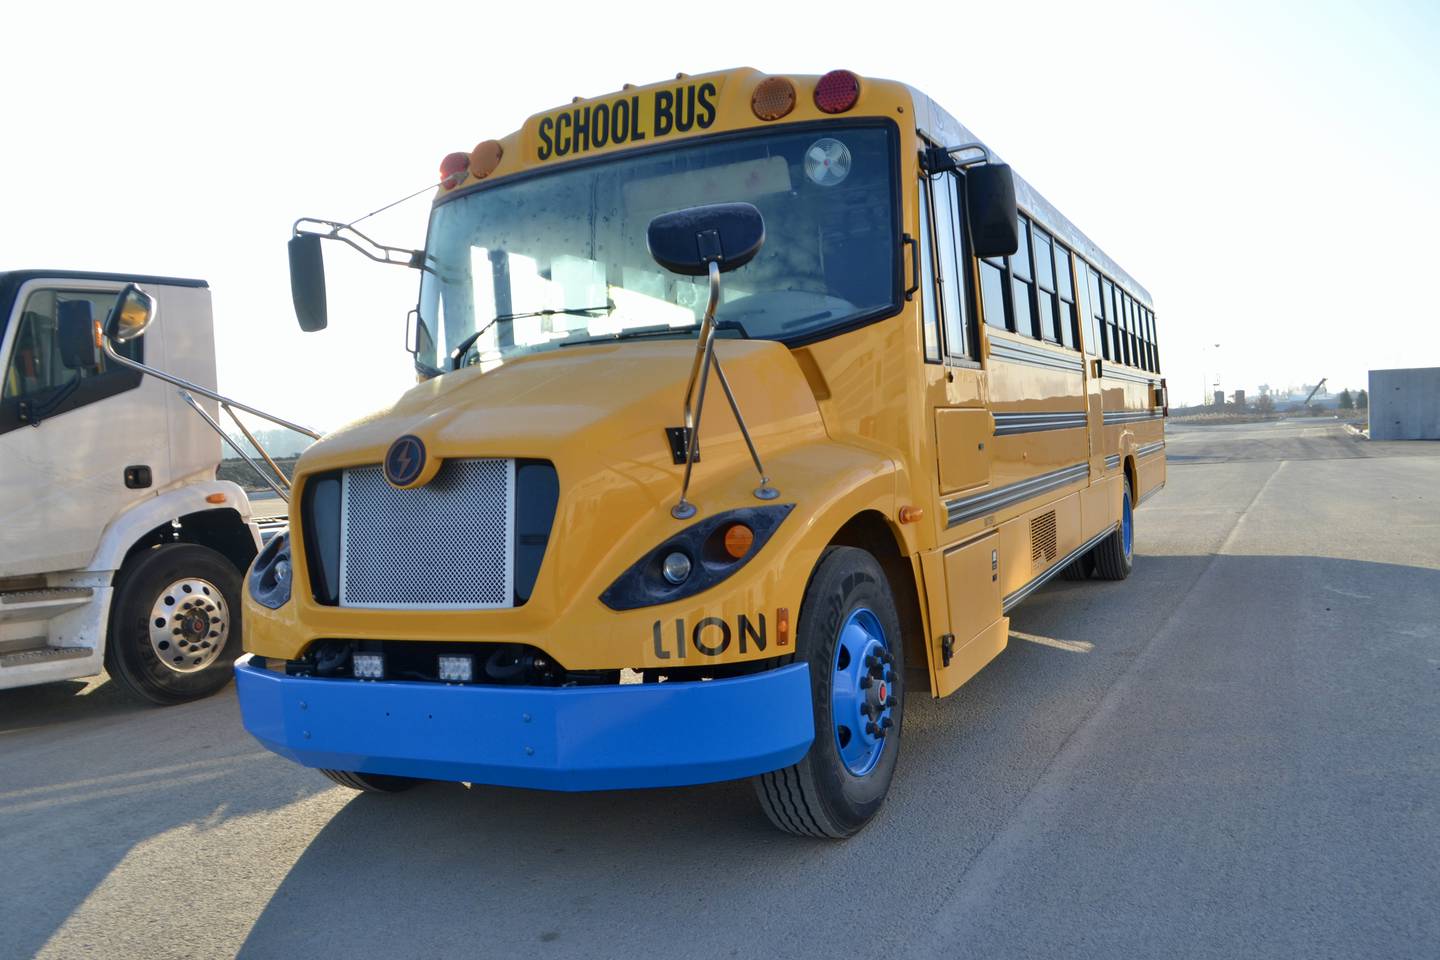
[962, 575]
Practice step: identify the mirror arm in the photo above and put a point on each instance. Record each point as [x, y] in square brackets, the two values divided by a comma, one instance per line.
[196, 388]
[395, 256]
[943, 159]
[195, 405]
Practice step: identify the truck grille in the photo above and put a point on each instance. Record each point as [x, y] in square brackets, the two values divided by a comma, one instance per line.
[450, 543]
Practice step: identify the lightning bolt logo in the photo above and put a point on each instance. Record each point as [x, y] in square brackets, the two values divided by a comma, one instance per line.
[405, 461]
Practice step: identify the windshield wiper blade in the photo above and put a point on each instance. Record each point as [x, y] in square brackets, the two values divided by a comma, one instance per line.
[463, 347]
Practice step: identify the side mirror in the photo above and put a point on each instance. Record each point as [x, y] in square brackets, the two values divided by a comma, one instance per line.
[991, 210]
[134, 310]
[75, 331]
[307, 281]
[688, 241]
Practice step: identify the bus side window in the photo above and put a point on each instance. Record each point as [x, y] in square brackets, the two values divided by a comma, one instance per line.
[1022, 284]
[1045, 285]
[1097, 344]
[928, 294]
[951, 265]
[992, 292]
[1069, 331]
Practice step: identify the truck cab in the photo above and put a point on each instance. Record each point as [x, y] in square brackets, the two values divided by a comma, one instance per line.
[119, 548]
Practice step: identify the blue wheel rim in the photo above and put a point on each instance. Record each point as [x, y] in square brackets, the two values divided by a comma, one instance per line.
[862, 692]
[1127, 526]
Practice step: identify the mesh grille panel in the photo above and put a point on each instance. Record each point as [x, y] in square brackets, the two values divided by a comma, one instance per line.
[449, 543]
[1042, 537]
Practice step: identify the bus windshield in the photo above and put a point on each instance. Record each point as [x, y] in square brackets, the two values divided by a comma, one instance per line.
[560, 258]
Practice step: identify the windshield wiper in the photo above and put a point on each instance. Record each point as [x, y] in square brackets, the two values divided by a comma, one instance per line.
[464, 346]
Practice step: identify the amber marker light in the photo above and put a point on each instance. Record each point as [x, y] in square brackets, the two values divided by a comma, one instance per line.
[782, 626]
[911, 514]
[215, 498]
[738, 540]
[453, 169]
[837, 91]
[773, 98]
[485, 158]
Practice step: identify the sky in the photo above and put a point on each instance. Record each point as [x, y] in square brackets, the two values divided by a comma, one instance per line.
[1267, 170]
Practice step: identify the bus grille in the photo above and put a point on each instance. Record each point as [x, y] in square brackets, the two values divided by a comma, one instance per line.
[447, 544]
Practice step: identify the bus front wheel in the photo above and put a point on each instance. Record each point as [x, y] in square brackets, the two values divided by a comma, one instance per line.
[849, 633]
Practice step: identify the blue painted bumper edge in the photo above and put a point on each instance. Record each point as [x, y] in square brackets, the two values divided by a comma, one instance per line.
[565, 738]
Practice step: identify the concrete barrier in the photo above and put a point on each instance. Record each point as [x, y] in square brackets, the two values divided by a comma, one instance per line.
[1405, 404]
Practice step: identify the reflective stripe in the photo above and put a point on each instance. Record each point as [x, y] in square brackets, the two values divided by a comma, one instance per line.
[1150, 448]
[1111, 462]
[1109, 373]
[1131, 416]
[968, 508]
[1036, 356]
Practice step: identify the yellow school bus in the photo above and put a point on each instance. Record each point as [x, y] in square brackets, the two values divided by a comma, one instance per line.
[748, 404]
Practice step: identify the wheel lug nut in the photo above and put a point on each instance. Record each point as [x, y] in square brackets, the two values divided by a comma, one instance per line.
[865, 683]
[886, 723]
[871, 729]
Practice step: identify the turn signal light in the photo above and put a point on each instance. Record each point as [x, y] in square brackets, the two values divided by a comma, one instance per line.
[738, 540]
[215, 498]
[782, 626]
[453, 169]
[837, 91]
[773, 98]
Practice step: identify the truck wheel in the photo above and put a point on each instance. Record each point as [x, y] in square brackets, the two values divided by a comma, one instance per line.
[371, 782]
[175, 626]
[1081, 567]
[849, 633]
[1114, 556]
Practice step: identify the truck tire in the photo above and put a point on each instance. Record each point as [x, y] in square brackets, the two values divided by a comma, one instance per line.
[1081, 567]
[849, 633]
[175, 624]
[1115, 556]
[371, 782]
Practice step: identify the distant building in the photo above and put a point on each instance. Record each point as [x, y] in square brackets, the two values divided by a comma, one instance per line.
[1405, 404]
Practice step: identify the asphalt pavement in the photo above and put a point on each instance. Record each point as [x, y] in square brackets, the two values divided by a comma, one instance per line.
[1231, 754]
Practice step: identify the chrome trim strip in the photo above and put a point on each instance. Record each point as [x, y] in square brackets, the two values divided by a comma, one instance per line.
[1112, 461]
[1035, 356]
[1054, 568]
[1010, 423]
[1132, 416]
[1151, 492]
[1109, 373]
[968, 508]
[1149, 448]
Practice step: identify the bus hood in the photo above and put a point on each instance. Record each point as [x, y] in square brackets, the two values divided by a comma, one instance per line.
[592, 410]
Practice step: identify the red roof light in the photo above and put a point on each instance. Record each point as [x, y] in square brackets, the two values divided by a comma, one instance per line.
[837, 91]
[453, 169]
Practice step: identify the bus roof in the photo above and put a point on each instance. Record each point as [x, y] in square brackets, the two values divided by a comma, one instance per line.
[945, 130]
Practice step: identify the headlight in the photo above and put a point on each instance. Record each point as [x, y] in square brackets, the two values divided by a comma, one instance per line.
[270, 574]
[696, 558]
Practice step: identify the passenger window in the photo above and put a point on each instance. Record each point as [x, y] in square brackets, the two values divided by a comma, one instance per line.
[1096, 327]
[928, 293]
[36, 374]
[1045, 286]
[951, 270]
[1065, 289]
[1112, 322]
[1021, 283]
[992, 293]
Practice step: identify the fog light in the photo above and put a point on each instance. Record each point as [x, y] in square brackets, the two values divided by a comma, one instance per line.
[368, 666]
[457, 669]
[676, 568]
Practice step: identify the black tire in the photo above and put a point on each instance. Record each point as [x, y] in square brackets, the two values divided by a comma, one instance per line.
[132, 656]
[1113, 560]
[1081, 567]
[820, 796]
[371, 782]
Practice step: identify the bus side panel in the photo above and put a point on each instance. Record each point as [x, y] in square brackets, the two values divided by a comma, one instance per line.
[977, 630]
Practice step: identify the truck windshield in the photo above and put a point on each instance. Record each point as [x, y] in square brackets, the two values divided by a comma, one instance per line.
[561, 258]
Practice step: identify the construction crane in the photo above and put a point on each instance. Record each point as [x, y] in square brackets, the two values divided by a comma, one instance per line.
[1315, 391]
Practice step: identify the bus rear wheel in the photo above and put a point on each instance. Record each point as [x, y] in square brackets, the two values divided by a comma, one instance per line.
[371, 782]
[849, 633]
[1115, 555]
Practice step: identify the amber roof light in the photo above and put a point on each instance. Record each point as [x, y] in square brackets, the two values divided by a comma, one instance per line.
[774, 97]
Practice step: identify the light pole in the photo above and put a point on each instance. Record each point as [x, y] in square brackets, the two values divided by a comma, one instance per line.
[1205, 381]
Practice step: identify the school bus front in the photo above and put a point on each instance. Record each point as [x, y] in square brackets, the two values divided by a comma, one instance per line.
[595, 548]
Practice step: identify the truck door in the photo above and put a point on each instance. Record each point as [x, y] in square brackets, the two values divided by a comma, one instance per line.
[69, 433]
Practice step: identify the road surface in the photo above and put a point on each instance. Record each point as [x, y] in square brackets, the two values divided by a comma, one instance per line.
[1234, 753]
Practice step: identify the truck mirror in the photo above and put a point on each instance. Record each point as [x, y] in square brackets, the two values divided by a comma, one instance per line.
[75, 331]
[688, 241]
[134, 310]
[991, 210]
[307, 281]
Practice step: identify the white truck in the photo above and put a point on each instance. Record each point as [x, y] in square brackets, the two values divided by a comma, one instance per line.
[119, 548]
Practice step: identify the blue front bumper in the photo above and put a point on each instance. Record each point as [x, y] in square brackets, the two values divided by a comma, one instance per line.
[549, 738]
